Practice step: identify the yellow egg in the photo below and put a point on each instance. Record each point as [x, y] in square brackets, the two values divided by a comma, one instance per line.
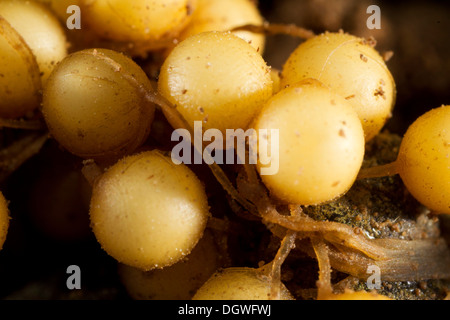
[238, 284]
[351, 67]
[424, 159]
[224, 15]
[320, 145]
[216, 78]
[40, 29]
[95, 106]
[147, 212]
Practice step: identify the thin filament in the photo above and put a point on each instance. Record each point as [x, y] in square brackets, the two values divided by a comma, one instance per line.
[386, 170]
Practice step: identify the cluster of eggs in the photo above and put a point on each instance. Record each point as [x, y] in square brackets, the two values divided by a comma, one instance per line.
[334, 94]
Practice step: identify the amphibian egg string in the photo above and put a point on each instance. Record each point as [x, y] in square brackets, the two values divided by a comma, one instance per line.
[371, 249]
[178, 281]
[352, 245]
[423, 161]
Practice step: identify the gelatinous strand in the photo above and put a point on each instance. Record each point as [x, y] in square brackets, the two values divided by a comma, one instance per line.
[405, 260]
[331, 231]
[22, 124]
[386, 170]
[21, 150]
[352, 252]
[287, 244]
[324, 287]
[20, 81]
[178, 121]
[229, 187]
[277, 28]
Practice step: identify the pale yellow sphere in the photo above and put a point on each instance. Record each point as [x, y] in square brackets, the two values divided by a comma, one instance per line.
[177, 282]
[95, 106]
[20, 80]
[239, 284]
[352, 68]
[147, 212]
[224, 15]
[40, 29]
[138, 20]
[216, 78]
[424, 159]
[320, 147]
